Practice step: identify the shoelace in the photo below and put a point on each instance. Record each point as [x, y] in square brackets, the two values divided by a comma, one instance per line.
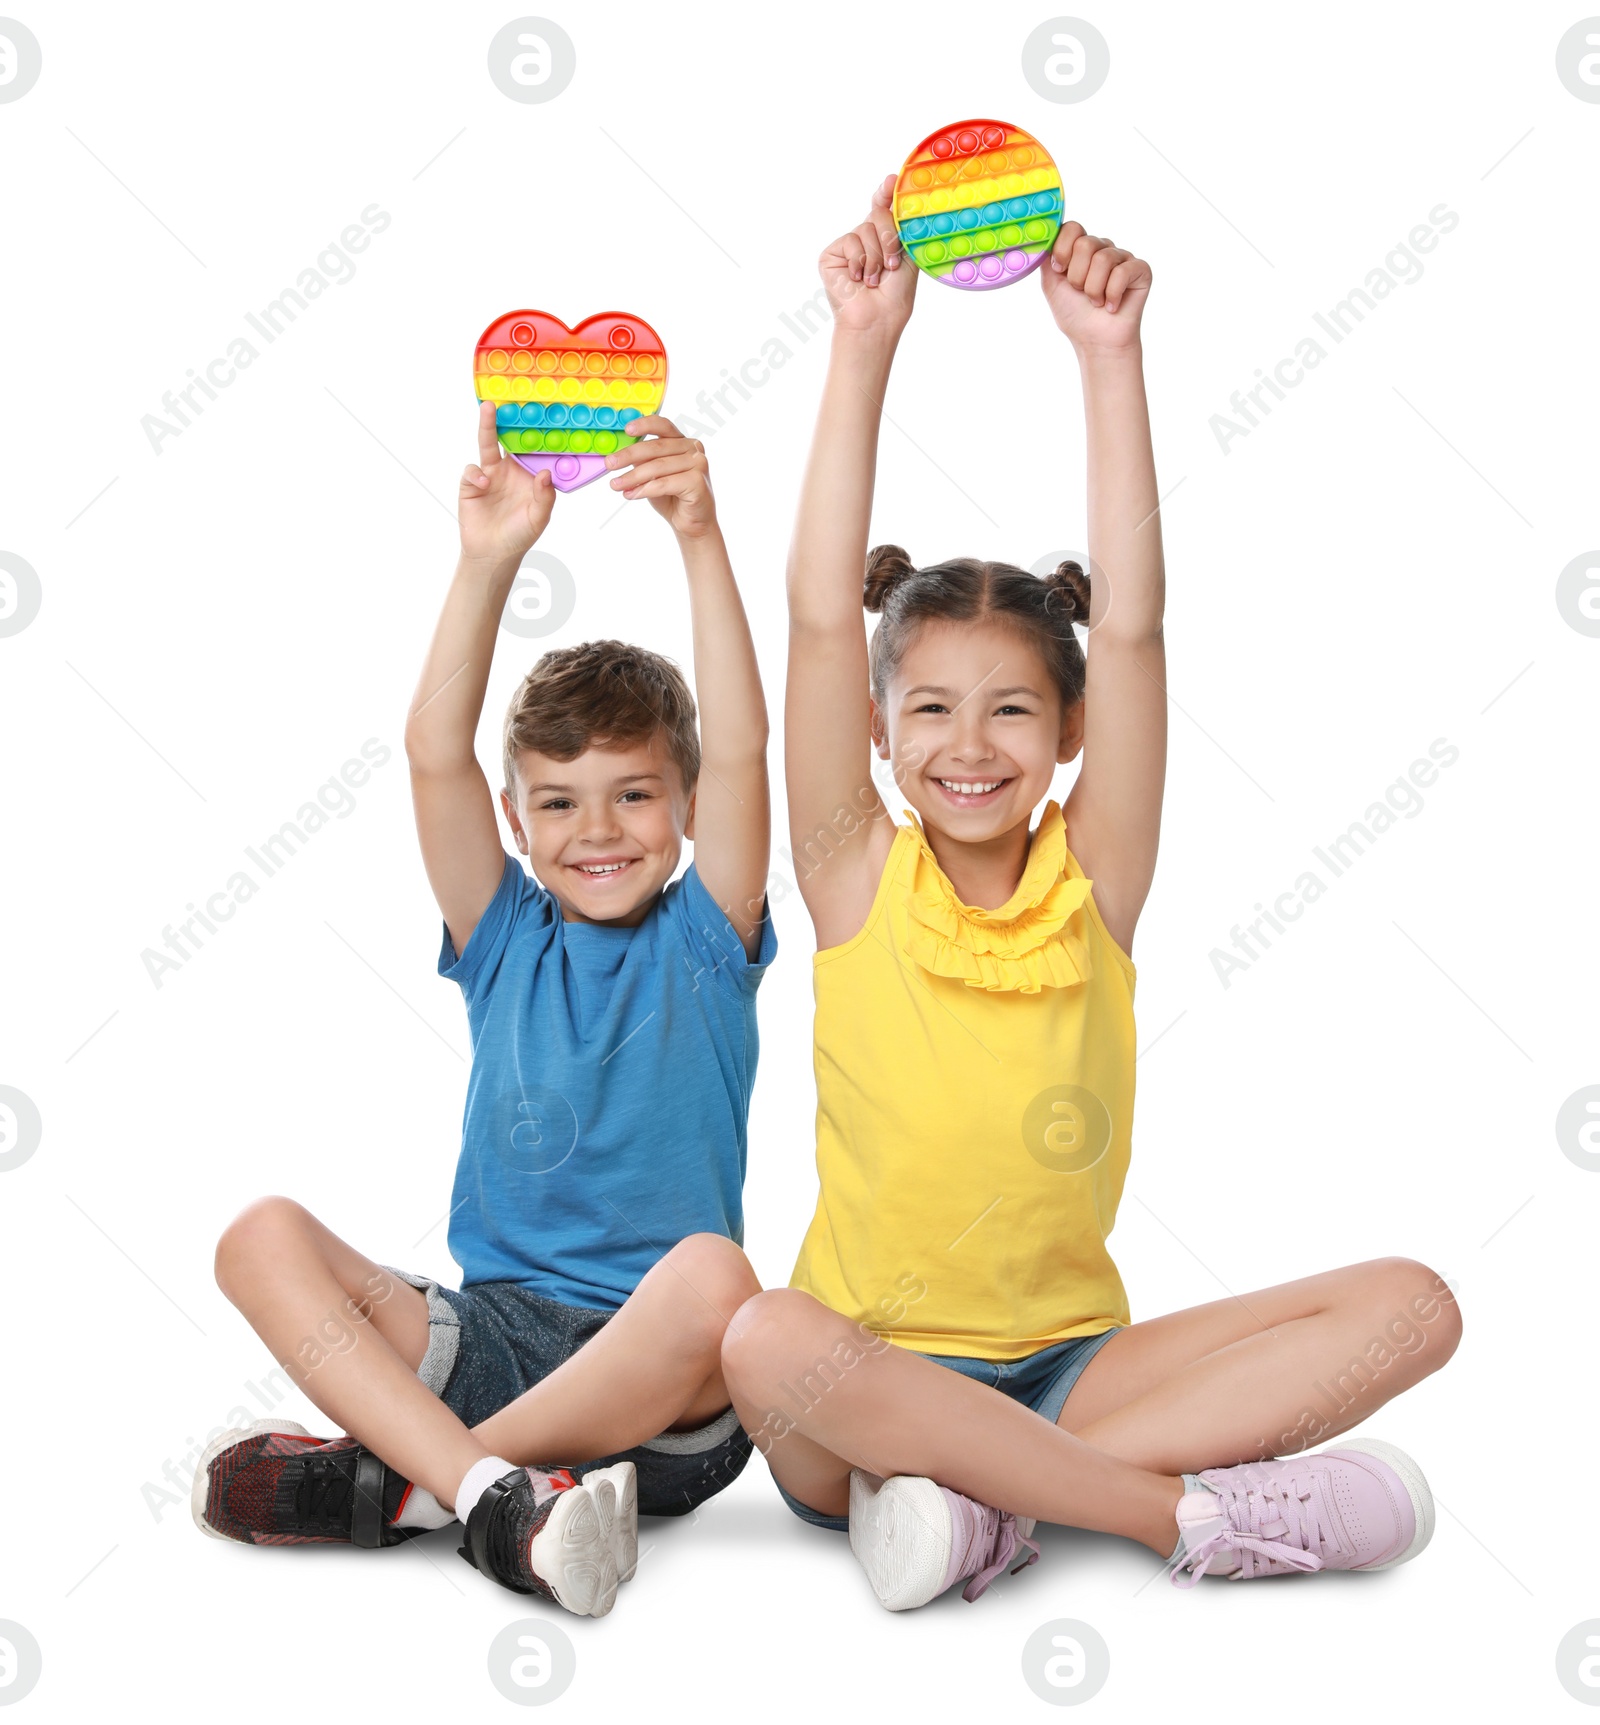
[993, 1545]
[1269, 1521]
[322, 1492]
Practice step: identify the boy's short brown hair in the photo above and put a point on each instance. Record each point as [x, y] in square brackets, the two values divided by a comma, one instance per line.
[601, 694]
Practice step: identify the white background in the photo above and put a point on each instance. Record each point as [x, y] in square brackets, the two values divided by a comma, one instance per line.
[1372, 568]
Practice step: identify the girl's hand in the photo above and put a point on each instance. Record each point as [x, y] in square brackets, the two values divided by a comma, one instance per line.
[503, 507]
[1096, 291]
[870, 284]
[671, 471]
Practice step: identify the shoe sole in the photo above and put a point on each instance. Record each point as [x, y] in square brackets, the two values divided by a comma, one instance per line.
[572, 1552]
[900, 1533]
[1411, 1477]
[623, 1533]
[200, 1488]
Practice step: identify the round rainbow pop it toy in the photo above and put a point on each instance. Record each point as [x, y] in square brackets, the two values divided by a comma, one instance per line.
[564, 398]
[978, 204]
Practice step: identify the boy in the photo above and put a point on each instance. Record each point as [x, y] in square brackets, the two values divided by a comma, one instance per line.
[597, 1198]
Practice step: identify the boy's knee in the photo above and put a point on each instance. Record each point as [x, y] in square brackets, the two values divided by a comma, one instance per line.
[717, 1271]
[255, 1236]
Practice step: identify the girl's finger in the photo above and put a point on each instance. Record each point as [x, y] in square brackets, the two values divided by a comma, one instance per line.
[871, 253]
[883, 223]
[1127, 275]
[847, 253]
[1061, 251]
[488, 438]
[473, 475]
[1083, 251]
[1103, 263]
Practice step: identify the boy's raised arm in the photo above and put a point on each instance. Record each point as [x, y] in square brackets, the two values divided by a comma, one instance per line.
[504, 509]
[732, 818]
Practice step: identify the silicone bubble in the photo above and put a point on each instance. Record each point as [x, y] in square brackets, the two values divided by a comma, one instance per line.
[564, 397]
[978, 204]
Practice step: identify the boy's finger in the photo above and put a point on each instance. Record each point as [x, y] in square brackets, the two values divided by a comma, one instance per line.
[651, 425]
[691, 461]
[474, 475]
[488, 437]
[657, 446]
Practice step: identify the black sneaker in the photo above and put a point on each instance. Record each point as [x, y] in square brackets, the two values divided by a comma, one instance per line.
[539, 1531]
[276, 1484]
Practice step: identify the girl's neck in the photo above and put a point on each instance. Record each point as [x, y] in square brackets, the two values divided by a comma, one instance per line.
[983, 875]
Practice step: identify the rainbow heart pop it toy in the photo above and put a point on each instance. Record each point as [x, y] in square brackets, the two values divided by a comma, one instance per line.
[564, 398]
[978, 204]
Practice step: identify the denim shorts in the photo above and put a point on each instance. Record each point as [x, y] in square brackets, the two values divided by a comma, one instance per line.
[489, 1343]
[1040, 1381]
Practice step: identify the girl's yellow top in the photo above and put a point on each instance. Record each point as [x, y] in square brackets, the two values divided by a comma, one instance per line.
[974, 1108]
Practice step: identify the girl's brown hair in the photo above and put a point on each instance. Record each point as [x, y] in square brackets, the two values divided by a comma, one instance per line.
[601, 694]
[1041, 608]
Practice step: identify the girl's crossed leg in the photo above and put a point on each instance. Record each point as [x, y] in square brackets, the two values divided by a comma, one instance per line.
[1259, 1375]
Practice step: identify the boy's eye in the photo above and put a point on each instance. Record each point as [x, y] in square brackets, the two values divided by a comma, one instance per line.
[556, 804]
[639, 796]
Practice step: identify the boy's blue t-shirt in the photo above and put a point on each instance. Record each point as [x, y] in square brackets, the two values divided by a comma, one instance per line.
[610, 1088]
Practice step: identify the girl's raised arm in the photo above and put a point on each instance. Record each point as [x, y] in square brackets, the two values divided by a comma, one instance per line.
[838, 833]
[1097, 294]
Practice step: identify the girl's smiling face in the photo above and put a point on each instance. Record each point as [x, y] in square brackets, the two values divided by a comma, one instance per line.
[975, 727]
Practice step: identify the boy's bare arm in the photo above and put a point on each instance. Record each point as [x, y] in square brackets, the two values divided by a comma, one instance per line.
[732, 820]
[504, 509]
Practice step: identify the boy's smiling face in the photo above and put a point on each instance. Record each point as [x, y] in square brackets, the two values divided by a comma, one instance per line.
[604, 831]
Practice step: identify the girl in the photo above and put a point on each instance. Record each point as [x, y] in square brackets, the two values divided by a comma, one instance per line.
[975, 1055]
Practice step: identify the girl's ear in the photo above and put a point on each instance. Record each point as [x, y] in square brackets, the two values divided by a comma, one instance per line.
[880, 733]
[1071, 742]
[515, 824]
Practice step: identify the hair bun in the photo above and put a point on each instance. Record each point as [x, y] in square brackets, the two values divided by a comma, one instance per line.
[887, 566]
[1069, 591]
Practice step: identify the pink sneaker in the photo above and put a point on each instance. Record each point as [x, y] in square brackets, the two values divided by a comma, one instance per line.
[916, 1540]
[1364, 1505]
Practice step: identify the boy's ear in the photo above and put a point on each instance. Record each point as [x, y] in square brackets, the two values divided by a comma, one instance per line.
[880, 732]
[513, 822]
[688, 819]
[1071, 742]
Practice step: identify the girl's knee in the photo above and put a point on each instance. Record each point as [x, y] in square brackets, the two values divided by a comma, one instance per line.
[257, 1236]
[1417, 1311]
[768, 1328]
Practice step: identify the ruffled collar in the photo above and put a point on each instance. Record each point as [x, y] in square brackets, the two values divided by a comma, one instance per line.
[1035, 940]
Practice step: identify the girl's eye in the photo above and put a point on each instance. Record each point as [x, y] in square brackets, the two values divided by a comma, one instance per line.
[933, 707]
[1022, 710]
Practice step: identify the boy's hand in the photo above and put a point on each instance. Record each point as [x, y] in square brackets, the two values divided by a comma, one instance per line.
[671, 471]
[504, 508]
[1096, 291]
[871, 284]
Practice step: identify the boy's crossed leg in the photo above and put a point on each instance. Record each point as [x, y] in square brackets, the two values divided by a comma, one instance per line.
[354, 1335]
